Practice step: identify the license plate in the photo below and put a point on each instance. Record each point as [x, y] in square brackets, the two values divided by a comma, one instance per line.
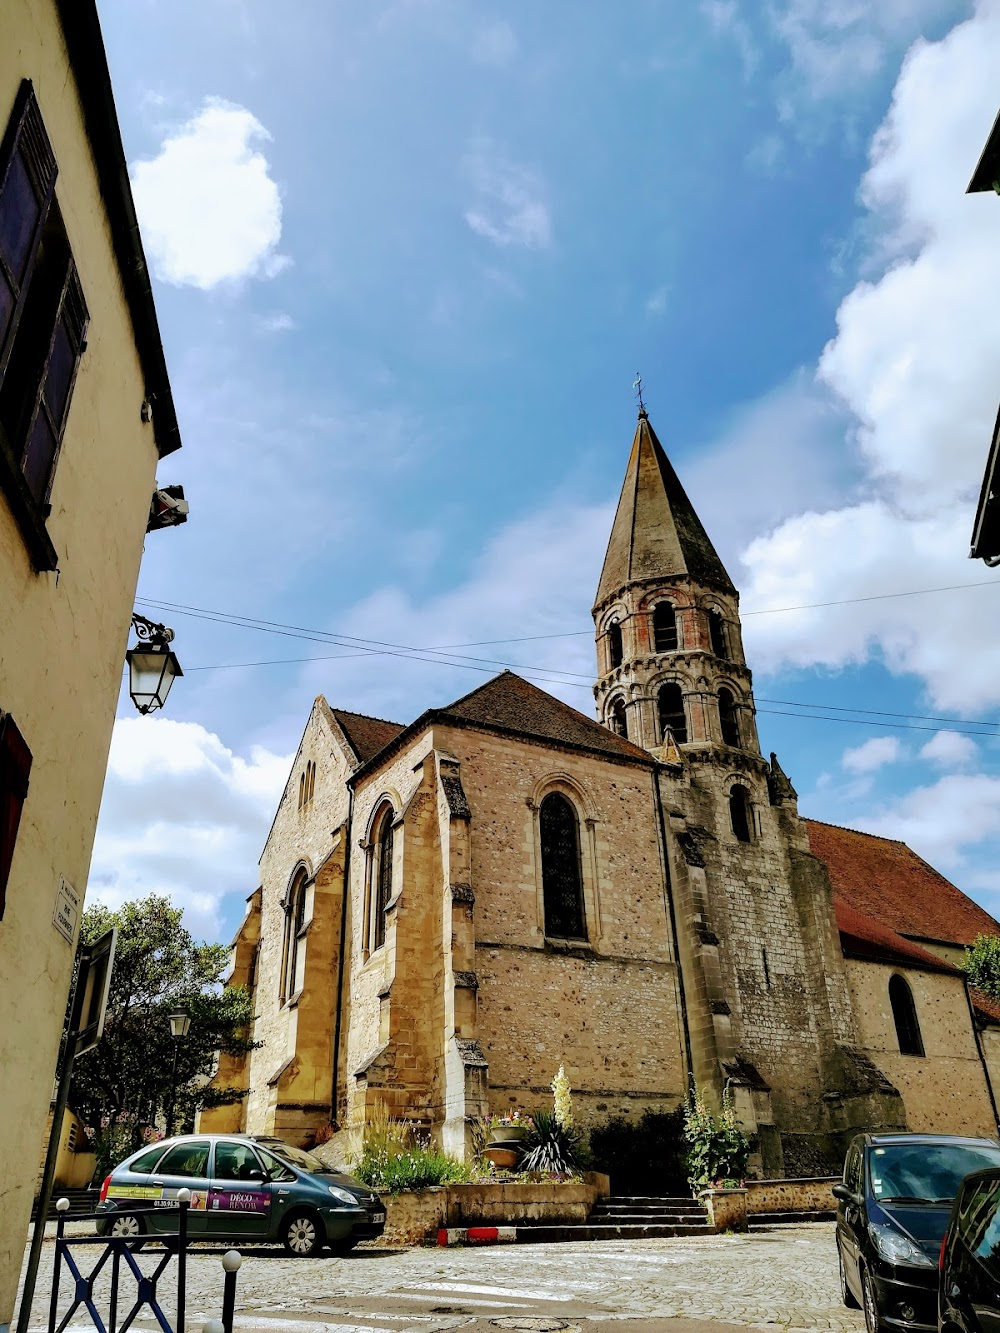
[378, 1217]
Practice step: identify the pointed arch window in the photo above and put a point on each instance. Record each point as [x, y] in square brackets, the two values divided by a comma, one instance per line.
[562, 878]
[740, 813]
[619, 722]
[665, 638]
[295, 916]
[728, 719]
[382, 876]
[904, 1014]
[717, 634]
[670, 705]
[616, 650]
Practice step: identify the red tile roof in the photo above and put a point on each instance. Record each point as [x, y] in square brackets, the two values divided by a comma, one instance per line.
[862, 937]
[366, 735]
[887, 882]
[985, 1006]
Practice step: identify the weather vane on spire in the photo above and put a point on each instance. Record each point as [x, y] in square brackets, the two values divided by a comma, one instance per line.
[637, 386]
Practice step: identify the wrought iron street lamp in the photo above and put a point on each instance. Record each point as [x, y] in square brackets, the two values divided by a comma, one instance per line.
[152, 665]
[180, 1026]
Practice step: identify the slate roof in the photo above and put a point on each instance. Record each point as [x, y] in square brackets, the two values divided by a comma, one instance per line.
[366, 735]
[863, 937]
[889, 883]
[656, 532]
[510, 703]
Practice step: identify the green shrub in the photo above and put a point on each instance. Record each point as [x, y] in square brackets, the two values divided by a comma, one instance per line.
[416, 1169]
[646, 1156]
[718, 1149]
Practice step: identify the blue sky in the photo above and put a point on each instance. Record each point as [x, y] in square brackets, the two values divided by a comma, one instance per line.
[408, 257]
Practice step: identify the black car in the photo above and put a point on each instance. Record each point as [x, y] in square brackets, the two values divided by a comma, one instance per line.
[969, 1295]
[896, 1195]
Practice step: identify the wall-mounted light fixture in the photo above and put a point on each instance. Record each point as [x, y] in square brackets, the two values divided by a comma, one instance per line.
[152, 665]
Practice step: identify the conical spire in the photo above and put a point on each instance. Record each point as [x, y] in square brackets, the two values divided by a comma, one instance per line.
[656, 533]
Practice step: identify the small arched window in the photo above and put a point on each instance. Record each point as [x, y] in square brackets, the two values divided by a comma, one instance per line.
[740, 814]
[665, 628]
[619, 722]
[670, 704]
[562, 880]
[382, 877]
[904, 1014]
[728, 720]
[717, 633]
[615, 649]
[295, 915]
[302, 790]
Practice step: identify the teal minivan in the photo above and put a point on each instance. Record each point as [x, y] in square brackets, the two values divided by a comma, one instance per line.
[243, 1188]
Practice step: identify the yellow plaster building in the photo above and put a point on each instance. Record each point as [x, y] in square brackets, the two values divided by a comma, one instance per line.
[80, 356]
[450, 910]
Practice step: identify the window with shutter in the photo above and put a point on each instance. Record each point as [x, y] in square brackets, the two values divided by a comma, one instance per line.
[665, 628]
[15, 768]
[43, 323]
[673, 719]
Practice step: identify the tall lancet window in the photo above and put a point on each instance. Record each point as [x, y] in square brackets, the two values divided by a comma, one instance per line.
[728, 720]
[619, 722]
[717, 634]
[904, 1013]
[615, 649]
[665, 628]
[562, 880]
[295, 915]
[670, 704]
[382, 879]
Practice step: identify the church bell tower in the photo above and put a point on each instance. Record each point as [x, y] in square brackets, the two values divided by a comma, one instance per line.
[671, 671]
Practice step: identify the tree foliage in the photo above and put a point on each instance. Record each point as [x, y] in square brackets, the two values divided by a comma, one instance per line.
[123, 1087]
[982, 965]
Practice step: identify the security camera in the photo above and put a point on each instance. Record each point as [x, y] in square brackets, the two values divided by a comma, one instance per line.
[167, 508]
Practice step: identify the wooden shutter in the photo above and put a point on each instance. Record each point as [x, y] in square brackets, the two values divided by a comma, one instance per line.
[27, 184]
[15, 767]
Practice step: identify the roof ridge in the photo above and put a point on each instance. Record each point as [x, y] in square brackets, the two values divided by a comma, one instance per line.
[863, 833]
[370, 717]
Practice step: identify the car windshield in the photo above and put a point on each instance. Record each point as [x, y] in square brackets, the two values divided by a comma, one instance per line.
[297, 1157]
[925, 1172]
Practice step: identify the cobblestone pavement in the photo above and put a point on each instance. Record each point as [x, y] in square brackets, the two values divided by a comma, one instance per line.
[782, 1278]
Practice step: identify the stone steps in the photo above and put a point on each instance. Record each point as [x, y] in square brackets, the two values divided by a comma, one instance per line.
[610, 1231]
[80, 1201]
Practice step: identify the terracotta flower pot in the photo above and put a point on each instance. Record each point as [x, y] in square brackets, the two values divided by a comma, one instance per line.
[505, 1158]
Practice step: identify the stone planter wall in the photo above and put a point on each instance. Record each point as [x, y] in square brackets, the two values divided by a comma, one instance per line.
[791, 1196]
[727, 1209]
[415, 1217]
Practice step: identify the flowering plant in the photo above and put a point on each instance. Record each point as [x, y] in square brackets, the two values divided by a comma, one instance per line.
[513, 1117]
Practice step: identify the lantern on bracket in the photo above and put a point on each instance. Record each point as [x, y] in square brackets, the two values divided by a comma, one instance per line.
[152, 665]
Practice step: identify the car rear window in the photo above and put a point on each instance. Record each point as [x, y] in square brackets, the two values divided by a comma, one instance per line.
[145, 1162]
[977, 1222]
[925, 1172]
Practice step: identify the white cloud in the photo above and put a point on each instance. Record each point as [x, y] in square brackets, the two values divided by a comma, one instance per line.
[184, 816]
[495, 44]
[207, 205]
[950, 749]
[872, 754]
[510, 206]
[656, 301]
[942, 820]
[915, 362]
[724, 17]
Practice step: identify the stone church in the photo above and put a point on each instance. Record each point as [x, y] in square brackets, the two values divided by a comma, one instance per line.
[449, 910]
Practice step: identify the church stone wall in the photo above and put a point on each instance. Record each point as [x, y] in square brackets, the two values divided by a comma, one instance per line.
[608, 1012]
[944, 1091]
[297, 837]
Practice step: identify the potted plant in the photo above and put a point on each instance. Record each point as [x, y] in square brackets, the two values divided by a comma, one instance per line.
[510, 1127]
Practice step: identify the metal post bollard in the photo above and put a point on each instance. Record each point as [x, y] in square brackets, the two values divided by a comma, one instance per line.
[183, 1203]
[231, 1261]
[62, 1206]
[212, 1326]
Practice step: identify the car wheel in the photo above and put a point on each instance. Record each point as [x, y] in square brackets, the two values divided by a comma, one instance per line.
[846, 1294]
[873, 1321]
[344, 1246]
[129, 1227]
[302, 1235]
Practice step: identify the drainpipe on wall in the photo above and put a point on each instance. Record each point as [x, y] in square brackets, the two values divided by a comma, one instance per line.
[669, 897]
[982, 1055]
[340, 960]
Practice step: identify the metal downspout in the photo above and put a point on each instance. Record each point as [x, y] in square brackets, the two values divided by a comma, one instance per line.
[669, 898]
[340, 960]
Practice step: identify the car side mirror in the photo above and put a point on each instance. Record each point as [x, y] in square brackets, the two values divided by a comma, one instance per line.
[840, 1191]
[256, 1173]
